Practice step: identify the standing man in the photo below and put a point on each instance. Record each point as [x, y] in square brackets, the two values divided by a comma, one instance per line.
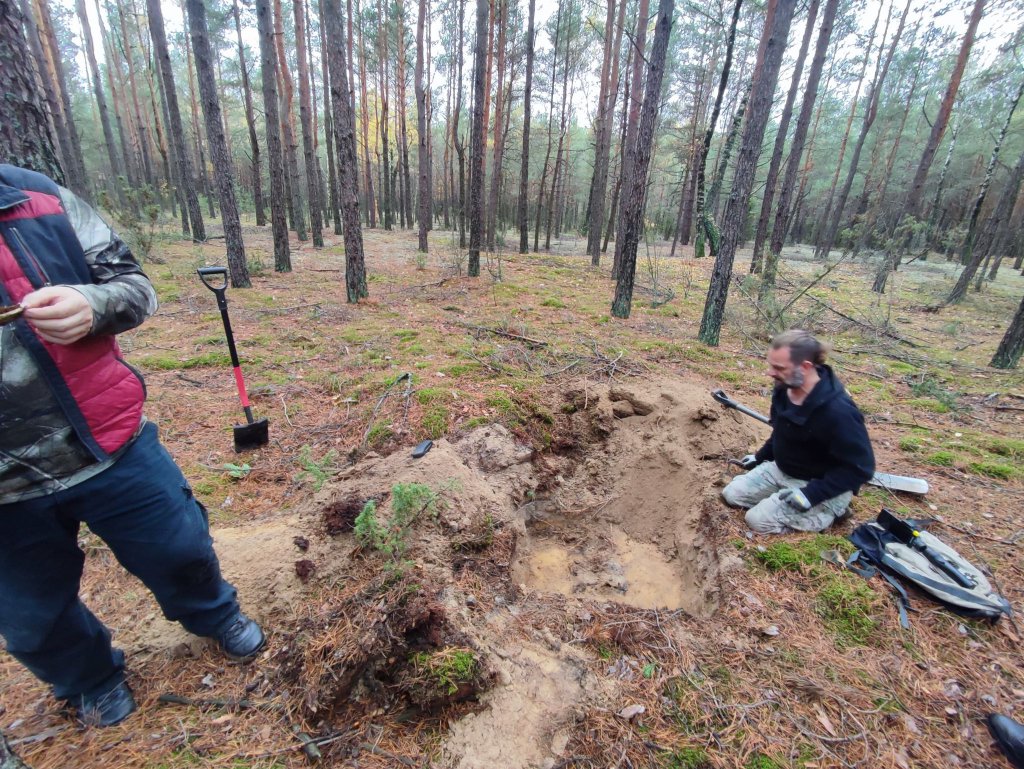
[818, 455]
[75, 448]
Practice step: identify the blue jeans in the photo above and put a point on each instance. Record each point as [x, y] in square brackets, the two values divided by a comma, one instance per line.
[143, 508]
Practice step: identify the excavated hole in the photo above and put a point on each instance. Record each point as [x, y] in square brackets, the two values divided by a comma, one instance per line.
[628, 516]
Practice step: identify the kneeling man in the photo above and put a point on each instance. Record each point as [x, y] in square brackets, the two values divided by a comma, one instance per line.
[818, 455]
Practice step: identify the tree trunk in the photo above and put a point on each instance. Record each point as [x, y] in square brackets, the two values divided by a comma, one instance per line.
[476, 150]
[348, 161]
[631, 218]
[364, 114]
[197, 133]
[723, 157]
[819, 233]
[56, 120]
[561, 136]
[524, 169]
[784, 211]
[872, 215]
[705, 224]
[911, 206]
[250, 122]
[101, 99]
[1012, 345]
[316, 222]
[603, 129]
[460, 146]
[237, 266]
[275, 153]
[968, 256]
[761, 233]
[997, 238]
[425, 192]
[498, 133]
[26, 134]
[551, 109]
[76, 175]
[874, 95]
[142, 126]
[297, 205]
[762, 92]
[632, 122]
[403, 133]
[183, 162]
[386, 192]
[115, 82]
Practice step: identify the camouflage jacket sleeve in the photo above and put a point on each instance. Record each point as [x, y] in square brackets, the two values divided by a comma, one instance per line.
[120, 295]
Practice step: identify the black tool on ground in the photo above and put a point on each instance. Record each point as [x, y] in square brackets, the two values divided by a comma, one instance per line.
[883, 480]
[1009, 736]
[910, 537]
[422, 448]
[257, 431]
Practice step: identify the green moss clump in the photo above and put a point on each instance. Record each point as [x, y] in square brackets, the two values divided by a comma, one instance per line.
[941, 458]
[684, 758]
[552, 302]
[992, 470]
[792, 556]
[846, 608]
[911, 444]
[761, 761]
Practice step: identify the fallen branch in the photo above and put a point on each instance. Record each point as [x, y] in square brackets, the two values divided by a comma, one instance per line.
[507, 334]
[218, 702]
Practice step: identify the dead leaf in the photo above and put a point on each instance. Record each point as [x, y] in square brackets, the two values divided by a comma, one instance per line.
[901, 758]
[771, 630]
[631, 711]
[227, 718]
[824, 720]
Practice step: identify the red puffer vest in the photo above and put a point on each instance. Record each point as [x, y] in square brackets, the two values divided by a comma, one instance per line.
[100, 395]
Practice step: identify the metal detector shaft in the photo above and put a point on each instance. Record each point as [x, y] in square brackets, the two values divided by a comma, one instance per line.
[725, 400]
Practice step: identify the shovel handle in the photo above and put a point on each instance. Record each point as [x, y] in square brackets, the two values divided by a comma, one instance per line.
[729, 403]
[210, 272]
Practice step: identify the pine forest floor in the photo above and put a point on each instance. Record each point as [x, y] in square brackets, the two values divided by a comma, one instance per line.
[557, 582]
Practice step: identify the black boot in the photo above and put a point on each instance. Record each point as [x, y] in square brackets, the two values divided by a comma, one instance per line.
[1009, 736]
[106, 707]
[242, 639]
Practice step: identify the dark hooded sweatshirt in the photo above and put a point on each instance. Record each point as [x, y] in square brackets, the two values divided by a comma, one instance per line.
[823, 440]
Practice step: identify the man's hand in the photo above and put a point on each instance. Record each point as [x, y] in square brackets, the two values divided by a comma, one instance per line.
[796, 499]
[749, 462]
[59, 314]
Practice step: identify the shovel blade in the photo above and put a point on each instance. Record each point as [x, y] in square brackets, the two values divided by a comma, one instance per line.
[252, 435]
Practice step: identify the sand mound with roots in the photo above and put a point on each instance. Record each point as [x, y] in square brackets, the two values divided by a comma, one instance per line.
[617, 511]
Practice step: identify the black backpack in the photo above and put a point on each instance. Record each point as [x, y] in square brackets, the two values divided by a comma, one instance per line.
[880, 551]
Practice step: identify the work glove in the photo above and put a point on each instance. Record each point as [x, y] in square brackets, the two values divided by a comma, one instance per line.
[796, 499]
[749, 462]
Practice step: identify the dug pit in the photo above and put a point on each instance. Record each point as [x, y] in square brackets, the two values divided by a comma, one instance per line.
[627, 519]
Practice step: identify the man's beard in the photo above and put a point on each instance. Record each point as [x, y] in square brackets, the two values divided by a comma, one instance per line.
[795, 381]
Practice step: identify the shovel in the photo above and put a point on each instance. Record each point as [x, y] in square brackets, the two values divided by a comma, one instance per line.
[255, 432]
[885, 480]
[910, 537]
